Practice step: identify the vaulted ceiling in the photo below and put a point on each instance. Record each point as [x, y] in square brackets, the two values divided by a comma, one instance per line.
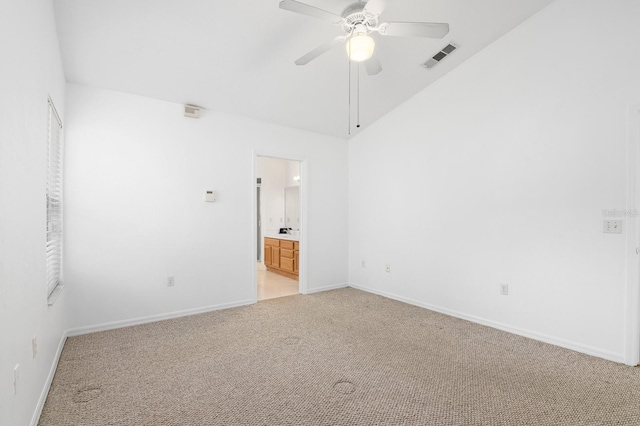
[238, 56]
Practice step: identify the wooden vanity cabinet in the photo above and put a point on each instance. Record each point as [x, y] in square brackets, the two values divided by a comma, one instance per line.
[272, 252]
[268, 255]
[281, 256]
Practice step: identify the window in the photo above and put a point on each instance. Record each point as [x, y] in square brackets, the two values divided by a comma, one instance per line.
[54, 205]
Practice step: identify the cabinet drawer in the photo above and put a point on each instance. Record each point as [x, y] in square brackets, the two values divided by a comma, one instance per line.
[286, 244]
[286, 264]
[271, 242]
[286, 253]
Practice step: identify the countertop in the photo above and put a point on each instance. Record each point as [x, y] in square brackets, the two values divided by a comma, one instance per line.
[284, 237]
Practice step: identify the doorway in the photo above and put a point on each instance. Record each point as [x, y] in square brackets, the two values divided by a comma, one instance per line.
[277, 227]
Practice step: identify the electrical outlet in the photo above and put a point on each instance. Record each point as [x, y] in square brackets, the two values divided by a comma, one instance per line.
[34, 346]
[363, 264]
[387, 268]
[16, 378]
[504, 289]
[170, 282]
[612, 227]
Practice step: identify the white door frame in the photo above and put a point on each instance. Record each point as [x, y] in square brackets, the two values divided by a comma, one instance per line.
[302, 267]
[632, 293]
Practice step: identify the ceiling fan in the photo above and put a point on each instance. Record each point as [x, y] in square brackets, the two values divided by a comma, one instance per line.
[358, 20]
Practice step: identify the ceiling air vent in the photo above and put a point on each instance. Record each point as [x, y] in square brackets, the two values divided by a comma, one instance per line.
[191, 111]
[435, 59]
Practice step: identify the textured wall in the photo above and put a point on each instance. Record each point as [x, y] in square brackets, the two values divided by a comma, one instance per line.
[31, 70]
[499, 172]
[136, 174]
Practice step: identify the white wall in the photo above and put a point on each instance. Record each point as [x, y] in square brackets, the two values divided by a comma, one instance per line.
[31, 70]
[498, 173]
[136, 175]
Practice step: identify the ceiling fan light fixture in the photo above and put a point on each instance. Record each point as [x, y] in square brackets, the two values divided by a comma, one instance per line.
[360, 47]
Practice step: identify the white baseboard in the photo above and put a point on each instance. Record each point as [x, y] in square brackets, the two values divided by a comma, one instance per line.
[567, 344]
[153, 318]
[327, 288]
[47, 383]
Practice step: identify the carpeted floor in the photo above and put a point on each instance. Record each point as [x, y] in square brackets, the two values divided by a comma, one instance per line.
[341, 357]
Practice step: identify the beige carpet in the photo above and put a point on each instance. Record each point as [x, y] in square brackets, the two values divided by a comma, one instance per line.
[342, 357]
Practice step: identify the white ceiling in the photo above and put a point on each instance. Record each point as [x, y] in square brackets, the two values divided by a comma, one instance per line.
[238, 56]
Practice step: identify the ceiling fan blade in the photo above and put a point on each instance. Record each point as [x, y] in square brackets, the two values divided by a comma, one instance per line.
[305, 9]
[320, 50]
[373, 65]
[375, 7]
[414, 29]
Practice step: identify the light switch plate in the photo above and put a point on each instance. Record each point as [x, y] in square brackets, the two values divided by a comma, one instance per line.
[612, 227]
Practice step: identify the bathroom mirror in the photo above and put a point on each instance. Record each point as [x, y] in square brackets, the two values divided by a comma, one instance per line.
[292, 207]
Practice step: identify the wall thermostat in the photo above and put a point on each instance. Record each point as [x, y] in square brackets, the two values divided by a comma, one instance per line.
[209, 196]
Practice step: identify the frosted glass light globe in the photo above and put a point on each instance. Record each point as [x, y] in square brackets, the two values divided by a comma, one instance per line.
[360, 47]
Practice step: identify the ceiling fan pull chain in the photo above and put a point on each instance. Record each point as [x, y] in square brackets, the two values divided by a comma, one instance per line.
[358, 100]
[349, 109]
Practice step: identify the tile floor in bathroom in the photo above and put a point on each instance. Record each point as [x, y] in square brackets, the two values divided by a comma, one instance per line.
[271, 285]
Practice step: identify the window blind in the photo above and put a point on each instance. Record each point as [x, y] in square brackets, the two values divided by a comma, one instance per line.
[54, 201]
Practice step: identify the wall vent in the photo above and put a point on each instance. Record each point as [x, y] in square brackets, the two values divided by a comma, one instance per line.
[435, 59]
[191, 111]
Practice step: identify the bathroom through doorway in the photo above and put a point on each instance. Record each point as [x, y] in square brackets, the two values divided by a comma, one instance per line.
[277, 227]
